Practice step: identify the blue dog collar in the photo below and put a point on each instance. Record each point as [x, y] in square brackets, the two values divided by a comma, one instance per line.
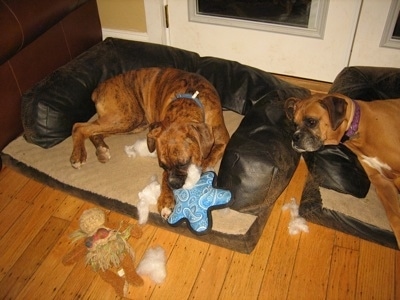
[191, 96]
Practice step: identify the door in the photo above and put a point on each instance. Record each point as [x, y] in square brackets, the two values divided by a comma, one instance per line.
[318, 58]
[375, 42]
[349, 34]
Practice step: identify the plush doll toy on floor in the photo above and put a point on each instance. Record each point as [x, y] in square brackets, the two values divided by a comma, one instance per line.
[106, 250]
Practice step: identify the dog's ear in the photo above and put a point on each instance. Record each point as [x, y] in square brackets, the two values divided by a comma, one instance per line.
[154, 132]
[336, 108]
[205, 138]
[290, 107]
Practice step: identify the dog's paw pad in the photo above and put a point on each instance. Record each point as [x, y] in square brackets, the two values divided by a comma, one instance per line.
[166, 212]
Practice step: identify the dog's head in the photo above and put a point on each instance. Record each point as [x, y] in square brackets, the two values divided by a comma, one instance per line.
[320, 120]
[178, 147]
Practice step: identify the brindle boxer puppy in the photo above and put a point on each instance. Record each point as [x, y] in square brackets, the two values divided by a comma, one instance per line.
[372, 130]
[185, 131]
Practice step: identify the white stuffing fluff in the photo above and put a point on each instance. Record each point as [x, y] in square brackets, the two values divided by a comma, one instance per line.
[153, 264]
[139, 148]
[297, 224]
[194, 173]
[148, 196]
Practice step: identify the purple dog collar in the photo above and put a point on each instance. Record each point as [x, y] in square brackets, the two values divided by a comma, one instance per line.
[354, 123]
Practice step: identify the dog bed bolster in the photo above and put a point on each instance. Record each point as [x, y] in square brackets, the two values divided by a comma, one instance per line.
[259, 161]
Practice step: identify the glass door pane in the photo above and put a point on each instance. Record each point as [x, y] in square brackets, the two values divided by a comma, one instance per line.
[299, 17]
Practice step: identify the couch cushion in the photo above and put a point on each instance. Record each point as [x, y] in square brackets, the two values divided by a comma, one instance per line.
[16, 19]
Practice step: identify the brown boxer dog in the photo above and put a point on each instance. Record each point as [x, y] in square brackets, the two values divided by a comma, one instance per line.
[185, 128]
[370, 129]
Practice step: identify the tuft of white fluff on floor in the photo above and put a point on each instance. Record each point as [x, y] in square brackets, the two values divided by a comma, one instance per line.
[139, 148]
[148, 196]
[194, 173]
[153, 264]
[297, 224]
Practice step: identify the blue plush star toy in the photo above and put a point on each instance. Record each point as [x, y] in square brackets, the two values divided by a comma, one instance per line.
[194, 206]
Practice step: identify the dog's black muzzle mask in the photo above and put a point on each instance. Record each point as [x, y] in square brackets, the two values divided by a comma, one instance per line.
[176, 178]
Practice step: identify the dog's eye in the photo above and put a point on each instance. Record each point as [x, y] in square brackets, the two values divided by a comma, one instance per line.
[310, 122]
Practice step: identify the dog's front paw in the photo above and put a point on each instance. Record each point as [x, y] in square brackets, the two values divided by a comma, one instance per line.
[78, 158]
[165, 212]
[165, 208]
[103, 154]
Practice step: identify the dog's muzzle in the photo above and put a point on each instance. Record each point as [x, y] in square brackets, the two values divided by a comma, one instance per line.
[304, 141]
[176, 180]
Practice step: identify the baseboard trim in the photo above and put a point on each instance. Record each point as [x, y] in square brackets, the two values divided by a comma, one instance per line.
[125, 34]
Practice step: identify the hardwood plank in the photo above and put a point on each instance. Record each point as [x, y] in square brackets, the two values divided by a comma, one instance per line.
[212, 273]
[4, 172]
[69, 207]
[27, 226]
[376, 269]
[159, 237]
[79, 281]
[250, 283]
[280, 267]
[343, 274]
[347, 241]
[22, 200]
[10, 214]
[99, 289]
[312, 267]
[51, 274]
[30, 191]
[26, 265]
[279, 270]
[10, 184]
[245, 275]
[183, 265]
[314, 86]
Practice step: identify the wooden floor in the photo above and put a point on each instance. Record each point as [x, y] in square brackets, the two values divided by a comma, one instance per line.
[35, 223]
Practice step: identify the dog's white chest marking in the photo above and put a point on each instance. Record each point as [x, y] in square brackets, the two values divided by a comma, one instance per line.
[375, 163]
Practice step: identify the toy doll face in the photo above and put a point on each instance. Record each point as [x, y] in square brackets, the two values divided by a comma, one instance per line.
[101, 234]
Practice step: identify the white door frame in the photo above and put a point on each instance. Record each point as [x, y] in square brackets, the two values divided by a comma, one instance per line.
[156, 21]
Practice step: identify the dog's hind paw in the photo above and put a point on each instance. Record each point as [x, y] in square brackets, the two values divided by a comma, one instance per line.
[103, 154]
